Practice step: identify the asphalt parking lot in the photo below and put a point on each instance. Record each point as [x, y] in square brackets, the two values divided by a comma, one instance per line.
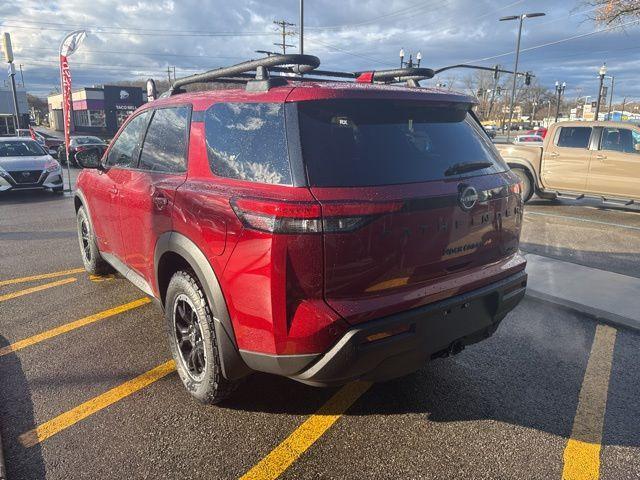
[86, 390]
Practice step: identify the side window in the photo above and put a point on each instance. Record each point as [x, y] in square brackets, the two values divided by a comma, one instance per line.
[619, 140]
[165, 145]
[574, 137]
[124, 151]
[247, 141]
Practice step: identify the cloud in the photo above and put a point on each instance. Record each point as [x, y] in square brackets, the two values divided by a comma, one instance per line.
[137, 39]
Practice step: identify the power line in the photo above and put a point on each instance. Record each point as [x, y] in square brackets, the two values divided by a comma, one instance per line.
[556, 42]
[401, 12]
[283, 24]
[159, 34]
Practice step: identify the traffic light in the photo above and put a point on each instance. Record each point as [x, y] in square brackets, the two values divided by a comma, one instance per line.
[495, 72]
[527, 79]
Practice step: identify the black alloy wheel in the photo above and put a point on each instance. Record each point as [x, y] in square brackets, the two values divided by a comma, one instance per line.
[188, 336]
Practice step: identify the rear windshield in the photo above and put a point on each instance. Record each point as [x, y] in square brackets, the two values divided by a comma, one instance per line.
[385, 142]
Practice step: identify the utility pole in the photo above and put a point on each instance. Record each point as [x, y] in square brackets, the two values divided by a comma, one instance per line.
[611, 97]
[174, 73]
[21, 76]
[169, 75]
[283, 26]
[534, 104]
[602, 72]
[496, 77]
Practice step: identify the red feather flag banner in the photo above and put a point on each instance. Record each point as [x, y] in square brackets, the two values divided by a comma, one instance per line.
[68, 46]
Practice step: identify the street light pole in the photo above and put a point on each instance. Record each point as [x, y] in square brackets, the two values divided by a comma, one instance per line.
[301, 49]
[602, 72]
[559, 91]
[515, 69]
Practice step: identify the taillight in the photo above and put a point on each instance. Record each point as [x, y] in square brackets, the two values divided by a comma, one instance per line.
[278, 217]
[308, 217]
[516, 188]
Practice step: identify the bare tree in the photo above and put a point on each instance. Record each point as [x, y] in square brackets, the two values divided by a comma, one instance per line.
[610, 12]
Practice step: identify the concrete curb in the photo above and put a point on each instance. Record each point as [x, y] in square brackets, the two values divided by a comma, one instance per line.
[597, 314]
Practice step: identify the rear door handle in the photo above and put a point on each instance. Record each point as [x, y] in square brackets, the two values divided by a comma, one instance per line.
[554, 154]
[601, 157]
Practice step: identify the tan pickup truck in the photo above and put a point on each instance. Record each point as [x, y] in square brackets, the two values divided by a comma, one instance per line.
[580, 159]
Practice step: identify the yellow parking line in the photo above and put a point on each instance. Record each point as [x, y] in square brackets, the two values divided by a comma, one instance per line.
[82, 411]
[41, 277]
[27, 291]
[67, 327]
[303, 437]
[582, 453]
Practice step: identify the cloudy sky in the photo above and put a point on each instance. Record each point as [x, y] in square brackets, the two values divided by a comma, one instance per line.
[136, 39]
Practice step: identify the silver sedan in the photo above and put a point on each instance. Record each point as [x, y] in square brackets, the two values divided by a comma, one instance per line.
[24, 165]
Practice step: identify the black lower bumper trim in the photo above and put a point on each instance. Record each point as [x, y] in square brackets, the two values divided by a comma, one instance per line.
[427, 332]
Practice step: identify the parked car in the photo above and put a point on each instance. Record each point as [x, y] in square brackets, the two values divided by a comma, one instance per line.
[25, 165]
[79, 143]
[322, 231]
[491, 130]
[528, 140]
[581, 159]
[542, 131]
[50, 143]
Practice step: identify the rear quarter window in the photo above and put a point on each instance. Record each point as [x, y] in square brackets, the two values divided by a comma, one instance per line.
[247, 141]
[573, 137]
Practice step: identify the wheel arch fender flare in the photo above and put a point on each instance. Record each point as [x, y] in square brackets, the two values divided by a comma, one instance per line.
[79, 197]
[233, 366]
[524, 164]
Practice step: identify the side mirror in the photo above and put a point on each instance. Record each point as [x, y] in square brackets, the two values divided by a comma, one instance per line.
[636, 147]
[90, 158]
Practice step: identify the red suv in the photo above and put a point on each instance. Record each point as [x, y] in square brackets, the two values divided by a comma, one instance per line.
[321, 230]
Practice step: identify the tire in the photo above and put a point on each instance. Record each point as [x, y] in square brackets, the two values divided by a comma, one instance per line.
[93, 261]
[527, 183]
[192, 340]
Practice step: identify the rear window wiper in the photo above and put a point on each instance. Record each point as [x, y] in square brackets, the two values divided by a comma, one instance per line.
[466, 167]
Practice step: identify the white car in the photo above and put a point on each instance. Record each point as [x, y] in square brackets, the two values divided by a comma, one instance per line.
[533, 140]
[25, 165]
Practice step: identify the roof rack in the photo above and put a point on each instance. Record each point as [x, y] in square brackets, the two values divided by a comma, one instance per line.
[255, 73]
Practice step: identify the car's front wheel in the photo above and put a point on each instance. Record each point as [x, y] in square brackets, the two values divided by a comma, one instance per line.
[192, 340]
[93, 261]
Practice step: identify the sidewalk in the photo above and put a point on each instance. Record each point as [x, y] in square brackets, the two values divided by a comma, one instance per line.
[606, 295]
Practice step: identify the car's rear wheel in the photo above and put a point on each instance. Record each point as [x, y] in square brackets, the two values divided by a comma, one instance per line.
[192, 340]
[527, 183]
[93, 261]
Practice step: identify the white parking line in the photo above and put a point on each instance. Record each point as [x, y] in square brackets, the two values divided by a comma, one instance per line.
[579, 219]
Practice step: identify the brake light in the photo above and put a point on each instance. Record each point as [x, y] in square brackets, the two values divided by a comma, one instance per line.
[308, 217]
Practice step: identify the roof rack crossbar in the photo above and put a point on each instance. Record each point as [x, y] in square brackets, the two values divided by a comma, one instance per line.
[295, 63]
[400, 74]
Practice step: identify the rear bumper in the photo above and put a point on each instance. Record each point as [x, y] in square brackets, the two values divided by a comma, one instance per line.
[434, 330]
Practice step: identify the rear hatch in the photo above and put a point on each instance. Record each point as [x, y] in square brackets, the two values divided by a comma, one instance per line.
[416, 202]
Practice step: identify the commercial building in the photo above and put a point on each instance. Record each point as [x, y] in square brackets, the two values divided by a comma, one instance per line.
[97, 110]
[7, 122]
